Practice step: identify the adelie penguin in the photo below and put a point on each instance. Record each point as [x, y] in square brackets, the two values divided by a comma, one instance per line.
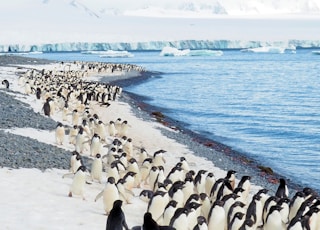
[116, 219]
[282, 191]
[150, 224]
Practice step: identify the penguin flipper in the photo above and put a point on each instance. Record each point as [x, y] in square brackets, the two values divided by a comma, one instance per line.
[98, 196]
[68, 175]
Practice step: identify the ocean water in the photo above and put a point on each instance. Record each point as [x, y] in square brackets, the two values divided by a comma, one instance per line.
[264, 105]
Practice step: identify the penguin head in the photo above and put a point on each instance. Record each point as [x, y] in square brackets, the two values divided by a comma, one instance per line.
[117, 204]
[111, 180]
[201, 220]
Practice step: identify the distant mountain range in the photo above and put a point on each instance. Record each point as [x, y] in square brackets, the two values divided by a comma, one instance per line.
[197, 8]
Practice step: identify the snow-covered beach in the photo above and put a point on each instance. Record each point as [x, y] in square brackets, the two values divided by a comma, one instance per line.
[38, 199]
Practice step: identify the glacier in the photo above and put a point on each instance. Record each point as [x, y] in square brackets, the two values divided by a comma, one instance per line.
[156, 45]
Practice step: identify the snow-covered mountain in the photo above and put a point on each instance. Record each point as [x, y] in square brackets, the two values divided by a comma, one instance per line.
[81, 24]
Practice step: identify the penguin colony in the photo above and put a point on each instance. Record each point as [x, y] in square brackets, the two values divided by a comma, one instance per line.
[177, 197]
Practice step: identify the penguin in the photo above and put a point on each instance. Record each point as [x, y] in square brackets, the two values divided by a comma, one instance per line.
[236, 207]
[254, 211]
[205, 204]
[175, 193]
[116, 219]
[228, 200]
[59, 133]
[100, 129]
[295, 203]
[6, 84]
[112, 129]
[237, 221]
[79, 180]
[215, 189]
[176, 173]
[75, 117]
[128, 147]
[247, 225]
[153, 175]
[169, 211]
[210, 180]
[273, 220]
[245, 184]
[201, 223]
[179, 221]
[110, 194]
[188, 188]
[125, 194]
[124, 128]
[284, 212]
[129, 180]
[184, 164]
[76, 163]
[118, 125]
[146, 195]
[194, 211]
[150, 224]
[231, 178]
[80, 141]
[217, 216]
[96, 168]
[73, 134]
[271, 201]
[134, 167]
[158, 159]
[157, 204]
[96, 145]
[282, 190]
[145, 170]
[46, 107]
[200, 181]
[225, 189]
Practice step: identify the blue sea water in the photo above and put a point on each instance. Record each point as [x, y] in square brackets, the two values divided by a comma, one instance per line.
[265, 105]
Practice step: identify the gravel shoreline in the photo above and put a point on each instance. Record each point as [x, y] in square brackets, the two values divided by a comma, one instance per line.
[22, 152]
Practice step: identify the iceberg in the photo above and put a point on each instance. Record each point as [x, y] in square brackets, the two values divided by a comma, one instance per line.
[110, 53]
[206, 53]
[316, 52]
[265, 49]
[171, 51]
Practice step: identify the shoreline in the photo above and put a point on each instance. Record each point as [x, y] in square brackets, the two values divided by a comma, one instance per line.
[262, 175]
[223, 156]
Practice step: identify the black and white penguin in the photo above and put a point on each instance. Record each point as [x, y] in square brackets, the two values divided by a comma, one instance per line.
[146, 195]
[201, 223]
[110, 194]
[169, 212]
[295, 203]
[237, 221]
[231, 178]
[179, 221]
[273, 220]
[200, 181]
[157, 204]
[282, 190]
[116, 219]
[150, 224]
[46, 107]
[217, 216]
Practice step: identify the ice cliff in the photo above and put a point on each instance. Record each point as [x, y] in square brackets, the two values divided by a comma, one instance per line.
[157, 45]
